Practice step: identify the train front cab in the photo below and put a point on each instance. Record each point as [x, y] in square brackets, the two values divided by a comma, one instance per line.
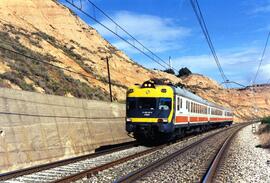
[149, 112]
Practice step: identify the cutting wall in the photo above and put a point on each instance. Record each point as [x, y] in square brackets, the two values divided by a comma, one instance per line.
[37, 128]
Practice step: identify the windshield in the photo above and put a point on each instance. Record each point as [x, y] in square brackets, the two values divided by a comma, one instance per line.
[149, 107]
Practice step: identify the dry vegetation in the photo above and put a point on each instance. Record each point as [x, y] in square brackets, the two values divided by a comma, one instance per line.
[264, 132]
[264, 135]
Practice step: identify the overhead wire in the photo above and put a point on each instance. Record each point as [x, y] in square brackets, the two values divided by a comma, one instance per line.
[119, 36]
[124, 30]
[200, 18]
[261, 60]
[253, 85]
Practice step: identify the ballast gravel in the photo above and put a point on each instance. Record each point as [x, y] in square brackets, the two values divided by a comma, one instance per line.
[189, 166]
[244, 162]
[65, 170]
[116, 172]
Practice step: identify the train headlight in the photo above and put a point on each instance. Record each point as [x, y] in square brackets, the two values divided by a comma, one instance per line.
[129, 120]
[162, 120]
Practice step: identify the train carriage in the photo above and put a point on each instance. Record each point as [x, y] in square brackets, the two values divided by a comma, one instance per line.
[155, 112]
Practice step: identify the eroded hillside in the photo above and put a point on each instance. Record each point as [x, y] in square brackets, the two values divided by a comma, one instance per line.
[55, 37]
[47, 36]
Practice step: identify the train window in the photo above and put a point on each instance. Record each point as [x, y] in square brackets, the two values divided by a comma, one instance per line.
[181, 103]
[131, 104]
[177, 101]
[147, 103]
[165, 104]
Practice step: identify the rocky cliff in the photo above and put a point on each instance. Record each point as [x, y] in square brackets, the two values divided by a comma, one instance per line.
[57, 53]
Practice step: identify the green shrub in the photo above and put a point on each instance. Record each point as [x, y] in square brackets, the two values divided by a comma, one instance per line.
[266, 120]
[184, 72]
[170, 71]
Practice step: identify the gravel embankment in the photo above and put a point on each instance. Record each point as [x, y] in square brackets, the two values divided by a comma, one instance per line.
[55, 173]
[189, 166]
[116, 172]
[244, 162]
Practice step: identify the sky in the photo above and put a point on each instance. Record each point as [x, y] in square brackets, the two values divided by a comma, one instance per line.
[238, 30]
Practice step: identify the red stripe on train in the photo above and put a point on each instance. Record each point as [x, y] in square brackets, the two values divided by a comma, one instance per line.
[180, 119]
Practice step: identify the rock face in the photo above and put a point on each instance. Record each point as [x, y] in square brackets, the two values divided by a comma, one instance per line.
[52, 37]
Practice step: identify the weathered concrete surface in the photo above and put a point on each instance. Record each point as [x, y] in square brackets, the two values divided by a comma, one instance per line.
[37, 128]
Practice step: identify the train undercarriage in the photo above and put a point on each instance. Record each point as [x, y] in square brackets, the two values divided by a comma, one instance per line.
[158, 133]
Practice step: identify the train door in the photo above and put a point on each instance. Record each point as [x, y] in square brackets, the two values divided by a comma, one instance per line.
[209, 113]
[181, 114]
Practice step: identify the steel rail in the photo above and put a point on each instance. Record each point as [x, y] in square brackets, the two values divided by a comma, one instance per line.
[216, 162]
[34, 169]
[90, 172]
[136, 175]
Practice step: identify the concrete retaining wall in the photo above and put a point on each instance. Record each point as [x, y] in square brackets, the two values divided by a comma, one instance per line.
[37, 128]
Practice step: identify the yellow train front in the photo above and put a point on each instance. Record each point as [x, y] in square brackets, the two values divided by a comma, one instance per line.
[150, 111]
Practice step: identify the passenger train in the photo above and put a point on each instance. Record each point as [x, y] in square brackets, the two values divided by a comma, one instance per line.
[155, 112]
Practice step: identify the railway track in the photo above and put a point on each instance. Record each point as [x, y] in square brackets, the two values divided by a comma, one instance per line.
[94, 171]
[217, 160]
[208, 176]
[95, 164]
[31, 170]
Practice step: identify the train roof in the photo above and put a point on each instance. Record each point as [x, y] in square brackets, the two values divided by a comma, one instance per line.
[185, 93]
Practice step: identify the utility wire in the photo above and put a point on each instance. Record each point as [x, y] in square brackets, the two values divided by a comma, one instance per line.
[116, 34]
[256, 75]
[198, 13]
[233, 83]
[263, 53]
[136, 40]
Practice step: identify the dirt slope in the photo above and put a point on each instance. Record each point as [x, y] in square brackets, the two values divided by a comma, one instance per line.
[49, 32]
[55, 37]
